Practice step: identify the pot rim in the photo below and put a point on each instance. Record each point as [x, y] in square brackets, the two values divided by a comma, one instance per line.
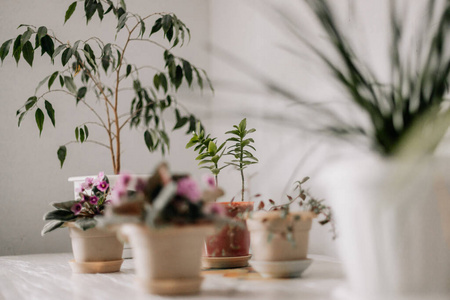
[81, 178]
[169, 230]
[275, 215]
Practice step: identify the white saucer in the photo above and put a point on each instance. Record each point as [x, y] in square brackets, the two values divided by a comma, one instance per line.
[281, 269]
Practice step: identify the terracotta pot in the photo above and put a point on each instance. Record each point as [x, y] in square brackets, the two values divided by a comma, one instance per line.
[95, 250]
[269, 231]
[167, 260]
[232, 239]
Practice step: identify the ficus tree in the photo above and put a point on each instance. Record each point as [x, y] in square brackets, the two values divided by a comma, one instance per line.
[95, 70]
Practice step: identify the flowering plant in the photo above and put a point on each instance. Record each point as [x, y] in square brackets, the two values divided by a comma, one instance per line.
[163, 200]
[307, 202]
[92, 199]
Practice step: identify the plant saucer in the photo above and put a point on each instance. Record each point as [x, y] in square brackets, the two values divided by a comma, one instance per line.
[209, 262]
[96, 266]
[171, 286]
[281, 269]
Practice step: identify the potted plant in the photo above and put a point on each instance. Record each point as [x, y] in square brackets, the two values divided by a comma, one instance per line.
[95, 73]
[391, 234]
[280, 237]
[165, 221]
[229, 246]
[94, 250]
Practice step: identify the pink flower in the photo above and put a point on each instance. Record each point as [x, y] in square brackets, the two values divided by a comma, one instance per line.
[103, 186]
[209, 180]
[187, 187]
[79, 189]
[214, 209]
[124, 179]
[76, 208]
[118, 192]
[88, 183]
[99, 178]
[93, 200]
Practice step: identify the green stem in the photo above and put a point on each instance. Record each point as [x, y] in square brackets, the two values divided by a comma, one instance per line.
[243, 182]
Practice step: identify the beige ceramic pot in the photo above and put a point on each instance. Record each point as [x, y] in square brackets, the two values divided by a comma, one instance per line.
[167, 260]
[280, 245]
[95, 250]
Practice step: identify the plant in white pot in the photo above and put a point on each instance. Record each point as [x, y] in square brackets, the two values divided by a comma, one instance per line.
[391, 235]
[97, 74]
[229, 247]
[95, 250]
[166, 222]
[280, 237]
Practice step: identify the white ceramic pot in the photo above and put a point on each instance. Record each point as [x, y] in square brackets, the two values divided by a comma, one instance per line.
[95, 250]
[268, 232]
[275, 254]
[390, 228]
[77, 181]
[167, 260]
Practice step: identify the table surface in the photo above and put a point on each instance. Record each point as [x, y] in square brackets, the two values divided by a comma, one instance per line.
[48, 276]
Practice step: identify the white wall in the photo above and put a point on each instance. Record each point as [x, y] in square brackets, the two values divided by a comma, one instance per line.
[30, 177]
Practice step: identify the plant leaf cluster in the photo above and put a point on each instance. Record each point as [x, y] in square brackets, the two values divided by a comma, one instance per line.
[85, 65]
[407, 106]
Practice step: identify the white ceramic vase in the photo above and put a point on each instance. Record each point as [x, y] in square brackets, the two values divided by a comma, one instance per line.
[78, 180]
[167, 260]
[391, 231]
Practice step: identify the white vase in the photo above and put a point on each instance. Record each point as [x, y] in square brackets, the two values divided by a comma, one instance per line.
[167, 260]
[391, 231]
[77, 181]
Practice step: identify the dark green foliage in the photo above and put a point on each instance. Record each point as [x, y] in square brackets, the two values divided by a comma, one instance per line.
[83, 65]
[409, 105]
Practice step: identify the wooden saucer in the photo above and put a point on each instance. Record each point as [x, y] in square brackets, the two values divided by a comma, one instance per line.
[209, 262]
[96, 266]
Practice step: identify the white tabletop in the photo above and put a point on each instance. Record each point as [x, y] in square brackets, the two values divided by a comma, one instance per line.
[48, 276]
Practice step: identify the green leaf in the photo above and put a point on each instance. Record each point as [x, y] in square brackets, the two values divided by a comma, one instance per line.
[47, 45]
[60, 215]
[187, 71]
[4, 49]
[178, 77]
[70, 85]
[149, 141]
[243, 125]
[66, 55]
[81, 93]
[100, 10]
[66, 205]
[50, 112]
[17, 48]
[70, 11]
[50, 226]
[180, 123]
[77, 134]
[85, 223]
[90, 10]
[61, 80]
[86, 131]
[82, 136]
[163, 81]
[122, 21]
[166, 22]
[20, 118]
[41, 84]
[123, 5]
[30, 102]
[62, 152]
[128, 70]
[157, 26]
[42, 31]
[58, 50]
[212, 148]
[39, 116]
[156, 81]
[26, 36]
[52, 79]
[28, 53]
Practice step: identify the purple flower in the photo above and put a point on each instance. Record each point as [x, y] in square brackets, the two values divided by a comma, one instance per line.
[209, 180]
[102, 186]
[187, 187]
[76, 208]
[93, 200]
